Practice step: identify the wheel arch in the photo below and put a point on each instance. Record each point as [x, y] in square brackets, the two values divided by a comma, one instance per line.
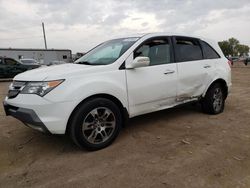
[123, 110]
[222, 82]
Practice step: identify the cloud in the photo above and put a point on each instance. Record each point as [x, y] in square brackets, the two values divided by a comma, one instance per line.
[81, 24]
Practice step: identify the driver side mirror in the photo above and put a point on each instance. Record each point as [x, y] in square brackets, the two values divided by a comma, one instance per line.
[138, 62]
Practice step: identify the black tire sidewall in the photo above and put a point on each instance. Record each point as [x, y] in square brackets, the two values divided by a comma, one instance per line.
[81, 113]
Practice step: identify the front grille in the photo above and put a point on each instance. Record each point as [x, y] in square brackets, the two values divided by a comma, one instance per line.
[15, 89]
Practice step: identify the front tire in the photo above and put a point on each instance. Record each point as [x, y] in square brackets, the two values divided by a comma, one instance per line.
[95, 124]
[214, 100]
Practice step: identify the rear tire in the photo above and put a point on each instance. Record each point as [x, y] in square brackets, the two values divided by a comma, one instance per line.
[214, 100]
[95, 124]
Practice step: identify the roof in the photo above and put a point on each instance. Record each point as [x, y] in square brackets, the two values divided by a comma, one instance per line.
[139, 35]
[32, 49]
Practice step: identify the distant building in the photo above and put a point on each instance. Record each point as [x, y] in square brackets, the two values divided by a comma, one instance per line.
[43, 56]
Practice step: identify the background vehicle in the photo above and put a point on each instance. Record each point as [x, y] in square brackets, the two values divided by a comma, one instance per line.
[29, 62]
[56, 63]
[119, 79]
[245, 60]
[234, 59]
[10, 67]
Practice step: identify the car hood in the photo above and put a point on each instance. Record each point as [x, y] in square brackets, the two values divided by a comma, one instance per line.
[57, 72]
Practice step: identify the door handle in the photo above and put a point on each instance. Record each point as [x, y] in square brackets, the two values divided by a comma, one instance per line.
[207, 66]
[169, 72]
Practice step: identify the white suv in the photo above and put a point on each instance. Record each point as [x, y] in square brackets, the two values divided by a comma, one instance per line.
[119, 79]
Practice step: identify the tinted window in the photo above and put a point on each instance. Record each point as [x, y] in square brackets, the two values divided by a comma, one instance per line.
[208, 51]
[10, 61]
[158, 51]
[187, 49]
[64, 57]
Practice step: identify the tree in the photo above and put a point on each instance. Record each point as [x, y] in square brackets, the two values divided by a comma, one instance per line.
[242, 49]
[232, 47]
[233, 42]
[226, 48]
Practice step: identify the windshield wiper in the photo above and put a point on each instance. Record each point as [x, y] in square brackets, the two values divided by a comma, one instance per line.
[84, 63]
[88, 63]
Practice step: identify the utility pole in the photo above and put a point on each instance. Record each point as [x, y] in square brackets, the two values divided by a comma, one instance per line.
[44, 36]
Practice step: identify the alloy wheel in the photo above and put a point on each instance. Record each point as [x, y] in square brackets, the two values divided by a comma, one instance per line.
[99, 125]
[217, 99]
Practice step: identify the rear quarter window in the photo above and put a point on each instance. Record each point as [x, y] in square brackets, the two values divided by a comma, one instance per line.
[187, 49]
[208, 51]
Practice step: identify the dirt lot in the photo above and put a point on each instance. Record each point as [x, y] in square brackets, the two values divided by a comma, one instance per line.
[180, 147]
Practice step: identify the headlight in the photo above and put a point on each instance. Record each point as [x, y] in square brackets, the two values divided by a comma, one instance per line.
[40, 88]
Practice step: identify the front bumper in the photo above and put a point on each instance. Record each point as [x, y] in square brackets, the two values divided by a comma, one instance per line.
[40, 113]
[27, 116]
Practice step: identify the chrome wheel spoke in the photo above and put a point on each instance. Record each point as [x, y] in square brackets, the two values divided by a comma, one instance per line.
[87, 126]
[216, 106]
[106, 114]
[94, 113]
[92, 136]
[103, 135]
[109, 124]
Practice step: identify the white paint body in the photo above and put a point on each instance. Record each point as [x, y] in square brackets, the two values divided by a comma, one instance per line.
[140, 90]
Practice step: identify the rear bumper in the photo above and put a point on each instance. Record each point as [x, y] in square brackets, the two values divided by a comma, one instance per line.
[27, 116]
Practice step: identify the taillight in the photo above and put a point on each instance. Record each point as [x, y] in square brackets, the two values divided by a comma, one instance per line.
[229, 63]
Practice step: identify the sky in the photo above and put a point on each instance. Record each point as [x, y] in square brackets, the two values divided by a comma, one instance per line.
[80, 25]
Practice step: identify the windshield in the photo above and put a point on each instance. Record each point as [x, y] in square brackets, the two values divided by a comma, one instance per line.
[107, 52]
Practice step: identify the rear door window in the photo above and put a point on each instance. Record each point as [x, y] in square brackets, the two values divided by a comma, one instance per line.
[187, 49]
[208, 51]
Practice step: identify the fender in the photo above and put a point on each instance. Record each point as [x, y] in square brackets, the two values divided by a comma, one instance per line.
[218, 79]
[111, 83]
[103, 87]
[221, 73]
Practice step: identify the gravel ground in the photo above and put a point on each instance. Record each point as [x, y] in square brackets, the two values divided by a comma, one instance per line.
[179, 147]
